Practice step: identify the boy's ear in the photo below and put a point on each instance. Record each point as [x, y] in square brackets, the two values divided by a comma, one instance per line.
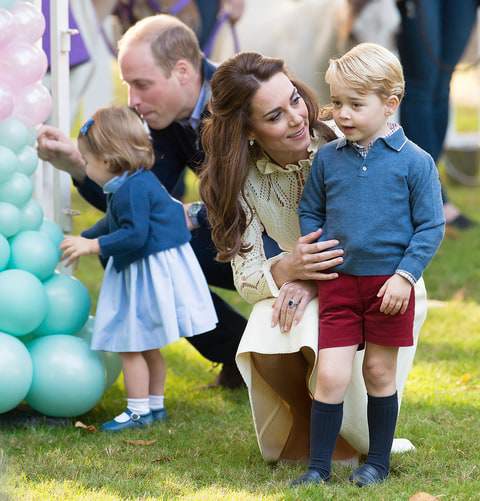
[391, 105]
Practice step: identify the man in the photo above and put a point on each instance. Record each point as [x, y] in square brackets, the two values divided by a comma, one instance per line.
[168, 84]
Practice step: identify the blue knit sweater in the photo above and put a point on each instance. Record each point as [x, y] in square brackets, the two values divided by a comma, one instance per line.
[142, 219]
[385, 209]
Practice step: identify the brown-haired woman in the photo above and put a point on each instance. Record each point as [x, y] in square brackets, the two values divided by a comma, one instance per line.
[259, 141]
[153, 291]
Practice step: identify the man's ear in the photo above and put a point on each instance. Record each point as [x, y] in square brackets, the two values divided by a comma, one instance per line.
[183, 71]
[391, 105]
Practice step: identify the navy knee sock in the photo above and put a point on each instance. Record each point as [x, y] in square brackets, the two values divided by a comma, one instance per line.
[325, 423]
[382, 418]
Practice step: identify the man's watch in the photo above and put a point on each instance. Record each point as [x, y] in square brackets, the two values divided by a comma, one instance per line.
[192, 213]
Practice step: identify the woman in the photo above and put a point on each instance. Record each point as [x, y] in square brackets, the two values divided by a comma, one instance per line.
[259, 141]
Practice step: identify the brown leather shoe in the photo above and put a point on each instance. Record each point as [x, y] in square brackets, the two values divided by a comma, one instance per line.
[229, 377]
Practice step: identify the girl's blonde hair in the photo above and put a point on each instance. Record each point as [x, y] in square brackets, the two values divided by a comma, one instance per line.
[368, 68]
[118, 136]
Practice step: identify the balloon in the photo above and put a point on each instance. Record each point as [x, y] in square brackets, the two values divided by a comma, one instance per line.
[6, 103]
[15, 372]
[33, 105]
[68, 306]
[31, 216]
[68, 378]
[22, 64]
[13, 134]
[30, 21]
[23, 302]
[17, 190]
[9, 219]
[32, 136]
[111, 360]
[8, 163]
[27, 160]
[6, 4]
[8, 27]
[53, 230]
[34, 252]
[4, 252]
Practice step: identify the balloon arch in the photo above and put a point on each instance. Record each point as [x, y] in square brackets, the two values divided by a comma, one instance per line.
[45, 326]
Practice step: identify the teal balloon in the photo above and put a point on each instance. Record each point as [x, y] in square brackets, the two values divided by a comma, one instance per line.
[31, 136]
[68, 306]
[6, 4]
[33, 251]
[17, 190]
[68, 378]
[8, 164]
[23, 302]
[27, 160]
[15, 372]
[13, 134]
[54, 231]
[4, 252]
[31, 216]
[111, 361]
[10, 218]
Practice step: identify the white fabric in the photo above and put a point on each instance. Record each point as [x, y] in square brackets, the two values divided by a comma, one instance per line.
[156, 402]
[138, 406]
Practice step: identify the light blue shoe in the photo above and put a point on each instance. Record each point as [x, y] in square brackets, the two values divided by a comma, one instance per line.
[160, 414]
[135, 421]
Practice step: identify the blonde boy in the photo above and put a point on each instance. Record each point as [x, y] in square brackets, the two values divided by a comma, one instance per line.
[379, 195]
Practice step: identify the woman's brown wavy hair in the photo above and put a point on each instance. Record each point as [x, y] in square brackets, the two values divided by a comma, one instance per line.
[225, 140]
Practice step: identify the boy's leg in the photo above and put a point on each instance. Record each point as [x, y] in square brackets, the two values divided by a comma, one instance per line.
[379, 372]
[333, 377]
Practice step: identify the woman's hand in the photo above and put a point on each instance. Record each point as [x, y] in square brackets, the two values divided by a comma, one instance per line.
[74, 247]
[396, 295]
[290, 304]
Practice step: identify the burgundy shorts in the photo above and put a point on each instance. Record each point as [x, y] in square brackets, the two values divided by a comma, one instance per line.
[350, 314]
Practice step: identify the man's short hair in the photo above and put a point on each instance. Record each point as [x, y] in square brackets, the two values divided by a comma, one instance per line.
[366, 68]
[169, 38]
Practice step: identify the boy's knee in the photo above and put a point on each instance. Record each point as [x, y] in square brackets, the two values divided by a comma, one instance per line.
[331, 382]
[378, 374]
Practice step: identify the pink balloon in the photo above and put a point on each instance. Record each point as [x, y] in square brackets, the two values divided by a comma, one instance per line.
[6, 103]
[8, 27]
[22, 64]
[33, 105]
[30, 21]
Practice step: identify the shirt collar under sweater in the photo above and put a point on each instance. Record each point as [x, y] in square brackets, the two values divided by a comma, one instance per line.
[267, 166]
[112, 185]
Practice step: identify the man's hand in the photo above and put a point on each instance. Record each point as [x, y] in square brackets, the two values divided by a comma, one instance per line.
[56, 148]
[396, 295]
[74, 247]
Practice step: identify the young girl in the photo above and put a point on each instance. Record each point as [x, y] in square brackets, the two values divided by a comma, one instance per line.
[153, 291]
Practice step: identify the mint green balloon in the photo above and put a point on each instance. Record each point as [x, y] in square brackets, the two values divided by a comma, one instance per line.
[27, 160]
[68, 378]
[31, 216]
[33, 251]
[13, 134]
[6, 4]
[9, 219]
[54, 231]
[4, 252]
[15, 372]
[68, 306]
[8, 164]
[31, 136]
[23, 302]
[17, 190]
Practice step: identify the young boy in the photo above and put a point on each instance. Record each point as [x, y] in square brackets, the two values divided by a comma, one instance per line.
[379, 195]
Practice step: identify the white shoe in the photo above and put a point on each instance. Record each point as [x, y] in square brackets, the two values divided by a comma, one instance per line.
[401, 445]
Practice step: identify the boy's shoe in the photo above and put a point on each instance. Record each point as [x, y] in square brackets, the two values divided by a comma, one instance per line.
[159, 414]
[311, 477]
[366, 475]
[134, 421]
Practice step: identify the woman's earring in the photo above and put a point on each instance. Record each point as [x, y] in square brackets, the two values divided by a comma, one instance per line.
[251, 142]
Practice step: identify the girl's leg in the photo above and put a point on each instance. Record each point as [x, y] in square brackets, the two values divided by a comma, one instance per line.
[333, 376]
[158, 370]
[379, 372]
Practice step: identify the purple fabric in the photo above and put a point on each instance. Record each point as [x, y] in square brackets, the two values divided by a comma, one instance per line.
[221, 20]
[78, 53]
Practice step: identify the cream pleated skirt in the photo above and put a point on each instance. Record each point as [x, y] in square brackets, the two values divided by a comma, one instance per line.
[271, 415]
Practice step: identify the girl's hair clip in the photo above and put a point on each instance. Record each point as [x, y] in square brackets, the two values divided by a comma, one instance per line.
[86, 126]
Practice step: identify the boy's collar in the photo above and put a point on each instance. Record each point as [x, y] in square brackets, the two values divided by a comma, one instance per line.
[395, 141]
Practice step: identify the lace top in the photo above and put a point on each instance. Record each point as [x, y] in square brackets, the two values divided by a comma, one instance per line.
[273, 193]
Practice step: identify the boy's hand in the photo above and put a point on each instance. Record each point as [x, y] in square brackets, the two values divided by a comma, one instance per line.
[74, 247]
[396, 295]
